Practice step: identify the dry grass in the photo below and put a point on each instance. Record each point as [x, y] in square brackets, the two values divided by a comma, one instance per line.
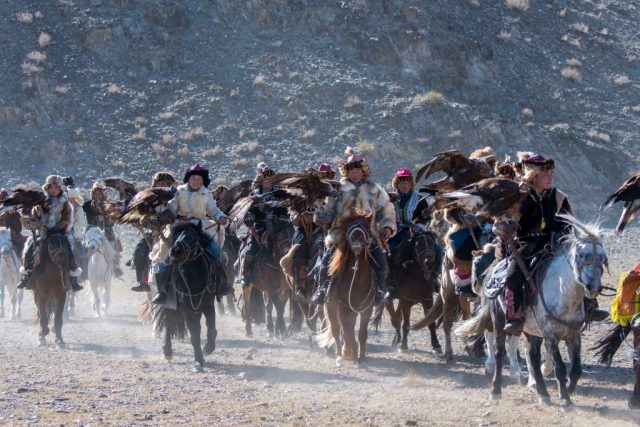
[38, 15]
[241, 133]
[234, 92]
[622, 80]
[79, 131]
[167, 115]
[309, 133]
[521, 5]
[602, 136]
[167, 137]
[158, 148]
[635, 109]
[113, 89]
[580, 27]
[44, 39]
[30, 67]
[259, 80]
[118, 163]
[139, 122]
[571, 73]
[573, 62]
[24, 17]
[252, 146]
[37, 57]
[559, 127]
[293, 75]
[240, 162]
[183, 150]
[505, 36]
[212, 152]
[61, 89]
[279, 128]
[431, 97]
[366, 148]
[604, 32]
[258, 158]
[528, 112]
[192, 133]
[352, 101]
[141, 134]
[413, 380]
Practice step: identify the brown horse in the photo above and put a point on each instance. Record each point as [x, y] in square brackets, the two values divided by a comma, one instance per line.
[50, 282]
[414, 279]
[352, 291]
[268, 278]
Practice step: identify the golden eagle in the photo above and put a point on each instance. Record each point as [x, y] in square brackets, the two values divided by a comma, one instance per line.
[460, 169]
[629, 193]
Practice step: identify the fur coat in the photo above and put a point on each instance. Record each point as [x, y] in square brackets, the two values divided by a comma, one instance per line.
[368, 197]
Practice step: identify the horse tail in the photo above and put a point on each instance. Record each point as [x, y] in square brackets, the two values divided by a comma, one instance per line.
[376, 319]
[257, 306]
[435, 312]
[473, 329]
[324, 339]
[145, 314]
[607, 347]
[172, 320]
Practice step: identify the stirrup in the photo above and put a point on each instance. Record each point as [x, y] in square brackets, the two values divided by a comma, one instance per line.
[141, 287]
[160, 298]
[319, 296]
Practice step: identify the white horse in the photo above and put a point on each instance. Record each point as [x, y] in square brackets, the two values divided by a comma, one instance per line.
[99, 268]
[557, 313]
[9, 274]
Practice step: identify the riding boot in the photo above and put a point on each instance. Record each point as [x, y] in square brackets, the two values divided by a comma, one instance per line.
[224, 287]
[392, 284]
[75, 285]
[141, 287]
[247, 269]
[162, 280]
[25, 278]
[27, 266]
[381, 271]
[592, 313]
[323, 277]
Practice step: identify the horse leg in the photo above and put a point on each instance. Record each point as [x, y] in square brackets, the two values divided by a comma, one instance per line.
[534, 345]
[405, 306]
[395, 322]
[560, 370]
[167, 348]
[362, 335]
[231, 307]
[221, 307]
[280, 326]
[246, 296]
[449, 299]
[490, 361]
[334, 325]
[269, 309]
[498, 331]
[96, 299]
[212, 333]
[435, 343]
[193, 323]
[107, 295]
[634, 400]
[43, 313]
[2, 302]
[58, 318]
[575, 346]
[515, 372]
[348, 320]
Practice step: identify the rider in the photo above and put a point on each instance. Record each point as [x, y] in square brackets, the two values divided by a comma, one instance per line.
[409, 210]
[193, 203]
[51, 218]
[539, 226]
[263, 221]
[12, 221]
[143, 248]
[97, 217]
[357, 191]
[75, 200]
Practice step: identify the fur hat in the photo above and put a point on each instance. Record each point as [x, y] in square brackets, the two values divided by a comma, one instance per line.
[263, 171]
[162, 176]
[486, 153]
[74, 193]
[53, 179]
[199, 170]
[219, 189]
[325, 171]
[68, 181]
[3, 194]
[533, 164]
[403, 174]
[354, 160]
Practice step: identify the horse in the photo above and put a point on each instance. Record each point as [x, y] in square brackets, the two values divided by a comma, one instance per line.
[352, 291]
[9, 274]
[100, 271]
[231, 254]
[268, 278]
[557, 311]
[192, 271]
[415, 278]
[50, 283]
[609, 345]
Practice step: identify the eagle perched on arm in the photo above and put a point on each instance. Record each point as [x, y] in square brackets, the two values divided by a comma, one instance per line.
[460, 169]
[126, 190]
[142, 209]
[629, 193]
[25, 200]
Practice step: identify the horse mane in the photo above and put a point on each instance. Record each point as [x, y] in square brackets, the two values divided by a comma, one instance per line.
[591, 231]
[339, 258]
[176, 229]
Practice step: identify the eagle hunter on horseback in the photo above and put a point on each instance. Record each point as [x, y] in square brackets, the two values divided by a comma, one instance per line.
[50, 218]
[97, 216]
[192, 204]
[357, 192]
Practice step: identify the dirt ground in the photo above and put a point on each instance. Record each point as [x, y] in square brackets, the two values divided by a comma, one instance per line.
[112, 372]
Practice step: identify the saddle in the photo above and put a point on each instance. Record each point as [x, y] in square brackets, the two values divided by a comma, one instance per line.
[537, 265]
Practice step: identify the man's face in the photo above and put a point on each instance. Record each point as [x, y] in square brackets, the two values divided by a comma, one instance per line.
[99, 195]
[544, 180]
[404, 187]
[54, 190]
[355, 175]
[195, 182]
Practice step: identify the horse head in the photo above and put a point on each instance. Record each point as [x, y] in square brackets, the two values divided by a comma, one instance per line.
[358, 232]
[423, 249]
[587, 256]
[5, 242]
[93, 240]
[185, 242]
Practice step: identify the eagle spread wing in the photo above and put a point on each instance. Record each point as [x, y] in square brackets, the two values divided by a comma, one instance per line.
[142, 207]
[629, 193]
[24, 200]
[446, 162]
[307, 190]
[460, 170]
[495, 198]
[125, 189]
[233, 195]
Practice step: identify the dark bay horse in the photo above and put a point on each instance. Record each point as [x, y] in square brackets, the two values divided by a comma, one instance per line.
[268, 278]
[415, 277]
[193, 269]
[352, 291]
[50, 282]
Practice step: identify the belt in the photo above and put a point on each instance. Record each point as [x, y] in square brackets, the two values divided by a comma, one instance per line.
[184, 218]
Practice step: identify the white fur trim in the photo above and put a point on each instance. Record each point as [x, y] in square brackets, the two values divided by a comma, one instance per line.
[75, 273]
[23, 270]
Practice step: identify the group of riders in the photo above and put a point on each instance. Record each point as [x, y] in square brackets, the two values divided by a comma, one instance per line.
[315, 230]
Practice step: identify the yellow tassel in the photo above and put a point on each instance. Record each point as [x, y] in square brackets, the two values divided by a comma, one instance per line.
[623, 311]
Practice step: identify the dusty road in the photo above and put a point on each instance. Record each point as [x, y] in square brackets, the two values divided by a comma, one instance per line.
[112, 373]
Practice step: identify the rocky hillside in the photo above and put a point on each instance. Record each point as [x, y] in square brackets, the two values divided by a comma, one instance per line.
[101, 87]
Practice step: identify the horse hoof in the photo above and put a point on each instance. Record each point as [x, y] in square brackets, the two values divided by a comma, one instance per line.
[208, 349]
[565, 403]
[168, 357]
[544, 400]
[60, 343]
[634, 403]
[197, 368]
[489, 370]
[495, 396]
[403, 350]
[437, 350]
[43, 342]
[339, 362]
